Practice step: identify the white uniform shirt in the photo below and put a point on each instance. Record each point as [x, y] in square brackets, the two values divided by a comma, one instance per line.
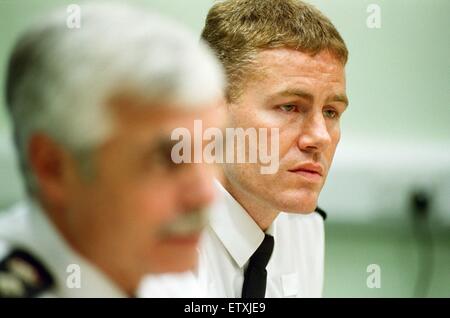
[295, 268]
[26, 226]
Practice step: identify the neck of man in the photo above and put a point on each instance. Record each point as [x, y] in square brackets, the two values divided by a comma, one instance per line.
[259, 211]
[128, 284]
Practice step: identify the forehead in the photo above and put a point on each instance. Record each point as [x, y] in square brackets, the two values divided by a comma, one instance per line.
[283, 64]
[144, 118]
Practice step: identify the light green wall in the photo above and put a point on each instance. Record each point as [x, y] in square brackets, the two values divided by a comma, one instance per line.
[398, 75]
[350, 248]
[399, 89]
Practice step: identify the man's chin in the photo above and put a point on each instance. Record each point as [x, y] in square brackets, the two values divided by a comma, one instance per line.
[177, 268]
[301, 203]
[176, 262]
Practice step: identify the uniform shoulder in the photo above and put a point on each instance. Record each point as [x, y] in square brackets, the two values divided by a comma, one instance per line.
[22, 275]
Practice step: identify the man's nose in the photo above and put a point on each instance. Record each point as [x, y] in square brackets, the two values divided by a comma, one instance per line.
[197, 185]
[314, 135]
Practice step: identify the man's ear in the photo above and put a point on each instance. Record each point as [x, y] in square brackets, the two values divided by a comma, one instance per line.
[49, 163]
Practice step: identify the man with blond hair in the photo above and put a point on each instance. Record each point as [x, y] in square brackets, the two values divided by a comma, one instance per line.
[285, 66]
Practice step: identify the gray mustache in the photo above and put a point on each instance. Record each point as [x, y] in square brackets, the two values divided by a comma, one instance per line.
[186, 224]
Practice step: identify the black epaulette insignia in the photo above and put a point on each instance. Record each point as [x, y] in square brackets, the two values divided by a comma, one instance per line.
[22, 276]
[321, 212]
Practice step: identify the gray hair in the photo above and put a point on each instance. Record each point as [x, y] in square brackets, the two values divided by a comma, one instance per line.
[59, 77]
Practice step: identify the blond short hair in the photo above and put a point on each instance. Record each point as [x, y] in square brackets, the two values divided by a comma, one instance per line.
[237, 30]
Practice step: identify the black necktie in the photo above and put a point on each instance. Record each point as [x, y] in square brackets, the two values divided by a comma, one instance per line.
[255, 276]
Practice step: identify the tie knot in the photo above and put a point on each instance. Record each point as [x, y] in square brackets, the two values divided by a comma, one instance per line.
[263, 253]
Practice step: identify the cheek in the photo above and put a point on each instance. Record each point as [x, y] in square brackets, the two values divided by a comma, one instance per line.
[250, 113]
[288, 140]
[289, 135]
[335, 135]
[154, 201]
[139, 204]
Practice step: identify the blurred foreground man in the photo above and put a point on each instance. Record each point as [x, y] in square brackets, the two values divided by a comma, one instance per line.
[285, 66]
[93, 109]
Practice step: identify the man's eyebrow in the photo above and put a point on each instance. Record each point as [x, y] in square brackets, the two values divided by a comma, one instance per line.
[338, 98]
[300, 93]
[297, 92]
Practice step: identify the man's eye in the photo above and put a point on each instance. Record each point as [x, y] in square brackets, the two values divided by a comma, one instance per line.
[330, 113]
[288, 108]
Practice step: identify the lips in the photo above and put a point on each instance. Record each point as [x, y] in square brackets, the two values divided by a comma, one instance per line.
[310, 171]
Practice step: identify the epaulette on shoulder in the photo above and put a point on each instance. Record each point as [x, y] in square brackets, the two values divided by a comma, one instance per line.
[322, 213]
[22, 275]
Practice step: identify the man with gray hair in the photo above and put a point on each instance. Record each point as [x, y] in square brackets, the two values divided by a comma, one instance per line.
[93, 109]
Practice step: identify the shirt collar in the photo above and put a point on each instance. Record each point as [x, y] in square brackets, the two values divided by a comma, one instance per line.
[235, 228]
